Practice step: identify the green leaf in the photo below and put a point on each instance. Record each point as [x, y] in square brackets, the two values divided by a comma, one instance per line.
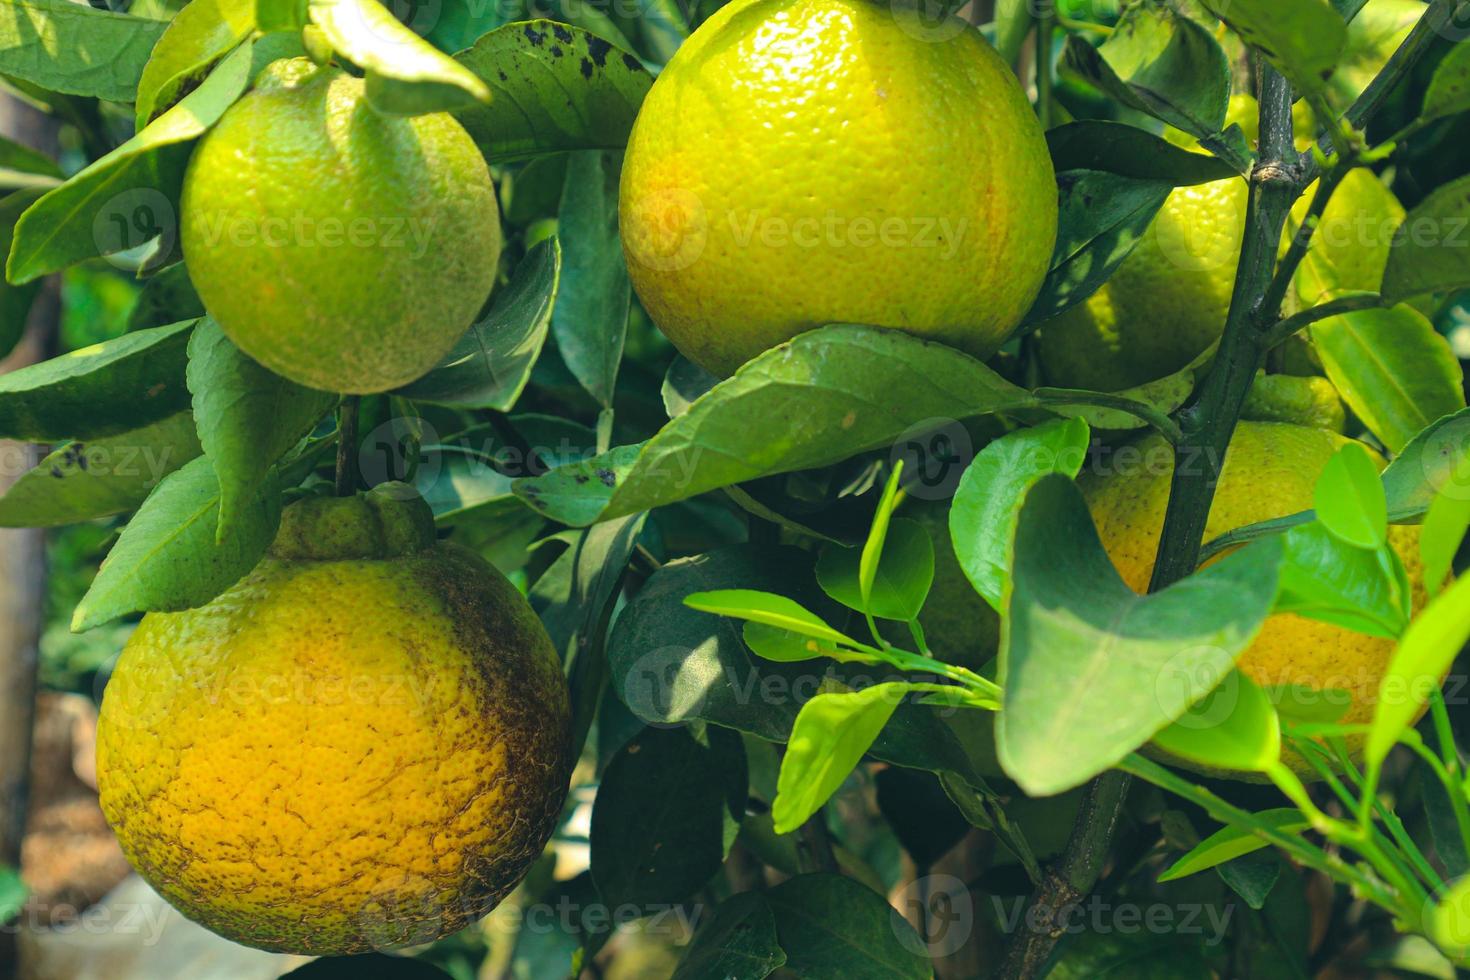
[74, 48]
[376, 966]
[738, 942]
[1428, 253]
[878, 533]
[13, 894]
[789, 646]
[492, 362]
[555, 87]
[1428, 466]
[1252, 877]
[199, 35]
[1160, 62]
[982, 519]
[15, 301]
[1449, 90]
[590, 319]
[1444, 530]
[1102, 217]
[832, 926]
[86, 481]
[1349, 498]
[1231, 842]
[832, 733]
[1449, 922]
[1092, 670]
[126, 198]
[839, 391]
[104, 390]
[248, 418]
[1327, 579]
[280, 15]
[1391, 367]
[1302, 39]
[1298, 704]
[901, 580]
[1117, 148]
[667, 810]
[406, 75]
[167, 297]
[1419, 664]
[1234, 728]
[766, 608]
[168, 557]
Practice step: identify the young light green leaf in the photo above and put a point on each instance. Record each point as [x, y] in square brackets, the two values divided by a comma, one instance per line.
[1349, 498]
[1161, 62]
[900, 582]
[1327, 579]
[555, 87]
[83, 481]
[1394, 371]
[1428, 253]
[1449, 922]
[787, 646]
[1444, 529]
[126, 198]
[492, 363]
[1297, 704]
[199, 35]
[13, 893]
[1234, 728]
[982, 518]
[74, 48]
[767, 608]
[168, 558]
[103, 390]
[590, 319]
[1232, 842]
[282, 15]
[1431, 464]
[247, 417]
[1092, 670]
[1301, 38]
[831, 735]
[406, 75]
[1449, 90]
[1419, 665]
[738, 942]
[877, 534]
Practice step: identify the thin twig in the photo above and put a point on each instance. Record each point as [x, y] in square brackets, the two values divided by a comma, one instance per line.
[1285, 329]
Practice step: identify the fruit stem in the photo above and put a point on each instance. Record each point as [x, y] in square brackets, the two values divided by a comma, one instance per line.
[347, 446]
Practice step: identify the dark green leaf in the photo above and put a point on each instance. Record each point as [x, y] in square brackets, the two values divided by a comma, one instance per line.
[831, 926]
[555, 87]
[738, 942]
[1114, 953]
[839, 390]
[667, 811]
[199, 35]
[1444, 828]
[167, 558]
[104, 390]
[15, 301]
[903, 575]
[491, 364]
[74, 48]
[1449, 90]
[1252, 877]
[590, 320]
[1301, 38]
[167, 297]
[1092, 670]
[406, 75]
[1117, 148]
[1160, 62]
[369, 966]
[1428, 253]
[113, 475]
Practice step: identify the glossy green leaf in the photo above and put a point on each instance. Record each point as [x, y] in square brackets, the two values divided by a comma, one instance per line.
[462, 482]
[1429, 465]
[1394, 371]
[1445, 525]
[1252, 877]
[83, 481]
[492, 363]
[555, 87]
[248, 418]
[982, 519]
[1233, 728]
[1349, 498]
[1325, 578]
[1231, 842]
[590, 320]
[1161, 62]
[126, 198]
[1092, 670]
[1449, 922]
[839, 391]
[406, 75]
[901, 579]
[1117, 148]
[75, 48]
[767, 608]
[1302, 39]
[1420, 662]
[199, 35]
[872, 551]
[789, 646]
[737, 942]
[104, 390]
[1449, 90]
[668, 808]
[832, 926]
[1428, 253]
[169, 558]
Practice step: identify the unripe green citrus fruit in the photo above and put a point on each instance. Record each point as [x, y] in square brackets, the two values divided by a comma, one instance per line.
[363, 744]
[803, 162]
[341, 248]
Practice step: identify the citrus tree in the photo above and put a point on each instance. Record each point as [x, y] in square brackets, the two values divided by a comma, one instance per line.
[769, 488]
